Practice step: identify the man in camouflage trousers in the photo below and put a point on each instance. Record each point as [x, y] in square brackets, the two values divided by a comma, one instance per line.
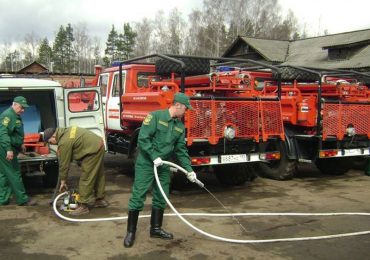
[161, 135]
[75, 143]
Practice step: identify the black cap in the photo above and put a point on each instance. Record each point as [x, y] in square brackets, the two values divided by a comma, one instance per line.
[48, 133]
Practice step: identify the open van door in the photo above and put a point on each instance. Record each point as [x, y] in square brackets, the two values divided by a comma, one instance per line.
[83, 108]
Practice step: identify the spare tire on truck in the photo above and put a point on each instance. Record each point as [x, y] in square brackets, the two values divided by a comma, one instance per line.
[193, 66]
[291, 74]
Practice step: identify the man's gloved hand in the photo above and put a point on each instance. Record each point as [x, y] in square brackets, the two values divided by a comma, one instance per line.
[9, 155]
[158, 162]
[191, 176]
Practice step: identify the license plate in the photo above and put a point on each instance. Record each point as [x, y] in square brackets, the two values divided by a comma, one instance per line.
[233, 158]
[353, 151]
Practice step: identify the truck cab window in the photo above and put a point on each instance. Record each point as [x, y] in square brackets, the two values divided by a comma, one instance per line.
[143, 79]
[115, 87]
[103, 83]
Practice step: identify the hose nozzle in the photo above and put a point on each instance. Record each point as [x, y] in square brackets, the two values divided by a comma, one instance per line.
[199, 183]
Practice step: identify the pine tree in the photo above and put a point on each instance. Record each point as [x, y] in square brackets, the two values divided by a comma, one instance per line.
[59, 51]
[70, 53]
[126, 42]
[111, 49]
[45, 53]
[175, 25]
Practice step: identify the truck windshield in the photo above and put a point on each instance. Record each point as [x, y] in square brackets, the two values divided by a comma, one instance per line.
[143, 79]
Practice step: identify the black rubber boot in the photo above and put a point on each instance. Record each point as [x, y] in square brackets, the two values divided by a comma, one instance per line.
[156, 224]
[133, 216]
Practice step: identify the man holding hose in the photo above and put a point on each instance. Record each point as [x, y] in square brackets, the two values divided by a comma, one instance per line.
[161, 136]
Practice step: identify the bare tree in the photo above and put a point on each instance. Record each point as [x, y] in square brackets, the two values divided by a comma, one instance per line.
[30, 44]
[237, 18]
[160, 34]
[144, 37]
[176, 26]
[287, 29]
[82, 46]
[96, 55]
[4, 53]
[192, 44]
[214, 18]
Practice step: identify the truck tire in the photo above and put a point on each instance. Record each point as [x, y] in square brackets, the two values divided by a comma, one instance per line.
[283, 169]
[290, 74]
[235, 174]
[359, 163]
[193, 66]
[333, 166]
[50, 179]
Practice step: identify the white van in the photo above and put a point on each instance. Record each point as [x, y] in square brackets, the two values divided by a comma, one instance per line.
[51, 105]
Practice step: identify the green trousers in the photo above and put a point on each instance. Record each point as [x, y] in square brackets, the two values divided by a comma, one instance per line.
[11, 180]
[144, 180]
[92, 181]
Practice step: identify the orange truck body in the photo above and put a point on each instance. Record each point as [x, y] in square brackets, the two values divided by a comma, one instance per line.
[272, 120]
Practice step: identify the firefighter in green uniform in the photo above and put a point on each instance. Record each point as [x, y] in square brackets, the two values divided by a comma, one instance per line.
[161, 136]
[75, 143]
[11, 143]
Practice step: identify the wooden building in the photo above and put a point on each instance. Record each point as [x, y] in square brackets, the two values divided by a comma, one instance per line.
[349, 50]
[37, 70]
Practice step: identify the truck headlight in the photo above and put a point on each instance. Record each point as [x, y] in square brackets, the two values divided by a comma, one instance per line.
[229, 132]
[350, 130]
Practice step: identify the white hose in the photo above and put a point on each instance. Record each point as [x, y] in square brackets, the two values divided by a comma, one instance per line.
[180, 215]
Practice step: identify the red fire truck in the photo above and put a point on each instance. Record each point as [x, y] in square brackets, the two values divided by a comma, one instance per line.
[326, 116]
[230, 127]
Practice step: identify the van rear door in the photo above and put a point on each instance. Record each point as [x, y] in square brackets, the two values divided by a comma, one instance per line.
[83, 108]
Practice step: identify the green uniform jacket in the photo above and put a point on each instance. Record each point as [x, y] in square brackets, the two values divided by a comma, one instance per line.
[11, 131]
[162, 136]
[74, 143]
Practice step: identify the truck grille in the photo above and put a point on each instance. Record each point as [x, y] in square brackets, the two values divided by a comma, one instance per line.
[336, 118]
[251, 119]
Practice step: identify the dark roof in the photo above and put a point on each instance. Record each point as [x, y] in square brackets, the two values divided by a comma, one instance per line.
[346, 38]
[33, 64]
[272, 50]
[313, 52]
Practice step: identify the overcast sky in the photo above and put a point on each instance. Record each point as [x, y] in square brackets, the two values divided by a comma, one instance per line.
[43, 17]
[19, 17]
[334, 15]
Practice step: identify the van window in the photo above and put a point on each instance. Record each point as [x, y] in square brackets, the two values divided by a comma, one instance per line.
[103, 83]
[83, 101]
